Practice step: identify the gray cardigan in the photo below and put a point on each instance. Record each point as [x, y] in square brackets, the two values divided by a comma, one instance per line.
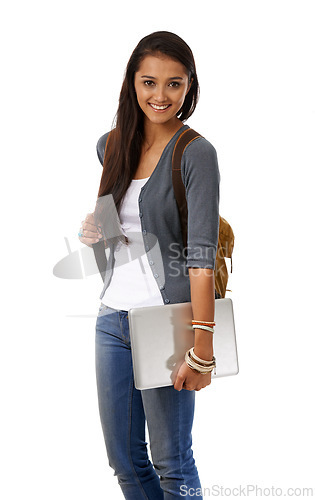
[160, 222]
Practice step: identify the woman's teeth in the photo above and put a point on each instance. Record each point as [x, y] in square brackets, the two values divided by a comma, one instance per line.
[154, 106]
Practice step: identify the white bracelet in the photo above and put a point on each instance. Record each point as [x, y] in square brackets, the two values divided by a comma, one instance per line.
[205, 361]
[201, 369]
[197, 367]
[204, 327]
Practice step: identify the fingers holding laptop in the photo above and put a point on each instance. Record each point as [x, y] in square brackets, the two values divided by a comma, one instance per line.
[189, 379]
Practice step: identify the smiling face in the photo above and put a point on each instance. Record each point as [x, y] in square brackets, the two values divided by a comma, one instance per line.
[161, 85]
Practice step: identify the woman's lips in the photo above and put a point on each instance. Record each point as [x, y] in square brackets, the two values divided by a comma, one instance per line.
[159, 109]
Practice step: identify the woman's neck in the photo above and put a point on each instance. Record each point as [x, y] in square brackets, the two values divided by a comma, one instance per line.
[155, 134]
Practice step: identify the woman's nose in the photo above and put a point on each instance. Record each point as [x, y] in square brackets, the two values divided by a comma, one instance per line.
[160, 94]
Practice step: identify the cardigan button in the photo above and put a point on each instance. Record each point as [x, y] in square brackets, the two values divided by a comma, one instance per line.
[140, 214]
[151, 262]
[144, 231]
[166, 301]
[162, 287]
[156, 275]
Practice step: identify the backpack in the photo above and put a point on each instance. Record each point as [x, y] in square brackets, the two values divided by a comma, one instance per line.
[226, 235]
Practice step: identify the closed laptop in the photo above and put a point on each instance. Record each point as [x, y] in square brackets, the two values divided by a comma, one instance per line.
[161, 335]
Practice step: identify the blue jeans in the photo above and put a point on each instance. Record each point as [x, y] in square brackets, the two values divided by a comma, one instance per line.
[124, 410]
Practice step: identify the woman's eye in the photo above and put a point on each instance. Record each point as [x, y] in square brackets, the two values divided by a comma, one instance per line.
[150, 83]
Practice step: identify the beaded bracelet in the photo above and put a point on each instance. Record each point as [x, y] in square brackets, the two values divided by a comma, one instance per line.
[205, 361]
[200, 365]
[195, 321]
[204, 327]
[195, 366]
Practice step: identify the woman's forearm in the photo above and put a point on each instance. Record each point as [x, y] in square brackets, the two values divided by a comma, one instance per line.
[202, 299]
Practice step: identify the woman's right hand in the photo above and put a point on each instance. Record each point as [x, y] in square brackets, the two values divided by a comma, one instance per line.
[91, 233]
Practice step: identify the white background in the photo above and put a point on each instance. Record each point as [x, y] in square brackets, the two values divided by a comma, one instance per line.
[62, 68]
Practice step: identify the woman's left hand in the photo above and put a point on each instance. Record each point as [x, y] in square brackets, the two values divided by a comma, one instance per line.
[191, 380]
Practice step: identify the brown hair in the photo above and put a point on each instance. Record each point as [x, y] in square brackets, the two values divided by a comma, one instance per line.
[122, 158]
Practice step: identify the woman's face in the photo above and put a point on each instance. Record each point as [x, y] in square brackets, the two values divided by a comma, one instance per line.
[161, 85]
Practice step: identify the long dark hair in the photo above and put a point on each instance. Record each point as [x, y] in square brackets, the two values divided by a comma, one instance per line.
[126, 138]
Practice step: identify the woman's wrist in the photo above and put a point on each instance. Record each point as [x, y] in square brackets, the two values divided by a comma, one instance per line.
[203, 344]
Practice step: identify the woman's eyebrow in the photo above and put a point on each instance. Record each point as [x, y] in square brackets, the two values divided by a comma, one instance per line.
[153, 77]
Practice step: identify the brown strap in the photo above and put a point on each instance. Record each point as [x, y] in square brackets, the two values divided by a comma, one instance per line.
[182, 142]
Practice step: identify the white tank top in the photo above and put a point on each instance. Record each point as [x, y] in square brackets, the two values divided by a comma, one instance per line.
[132, 283]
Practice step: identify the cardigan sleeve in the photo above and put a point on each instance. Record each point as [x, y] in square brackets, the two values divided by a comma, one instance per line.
[201, 177]
[100, 147]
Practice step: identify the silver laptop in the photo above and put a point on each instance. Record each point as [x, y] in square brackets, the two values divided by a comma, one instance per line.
[160, 336]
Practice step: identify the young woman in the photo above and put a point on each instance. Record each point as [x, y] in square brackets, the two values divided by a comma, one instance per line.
[159, 92]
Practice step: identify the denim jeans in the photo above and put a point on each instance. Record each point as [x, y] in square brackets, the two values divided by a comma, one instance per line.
[124, 410]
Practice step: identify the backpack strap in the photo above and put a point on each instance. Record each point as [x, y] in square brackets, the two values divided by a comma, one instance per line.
[182, 142]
